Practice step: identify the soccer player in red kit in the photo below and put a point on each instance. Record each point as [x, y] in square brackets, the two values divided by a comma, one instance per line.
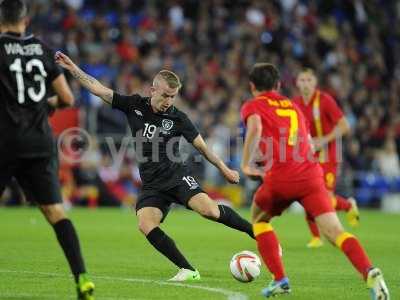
[277, 127]
[327, 123]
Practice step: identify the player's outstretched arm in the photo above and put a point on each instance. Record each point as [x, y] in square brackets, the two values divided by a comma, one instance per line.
[230, 175]
[92, 84]
[250, 147]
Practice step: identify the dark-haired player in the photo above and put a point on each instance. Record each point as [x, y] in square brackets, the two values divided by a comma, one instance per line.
[157, 125]
[27, 146]
[277, 127]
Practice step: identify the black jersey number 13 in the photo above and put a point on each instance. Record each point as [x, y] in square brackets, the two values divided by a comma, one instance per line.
[34, 95]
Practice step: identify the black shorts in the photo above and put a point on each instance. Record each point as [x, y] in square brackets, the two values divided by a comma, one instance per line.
[38, 177]
[162, 199]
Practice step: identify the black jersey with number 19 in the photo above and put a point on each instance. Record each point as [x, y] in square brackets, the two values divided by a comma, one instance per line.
[156, 139]
[27, 69]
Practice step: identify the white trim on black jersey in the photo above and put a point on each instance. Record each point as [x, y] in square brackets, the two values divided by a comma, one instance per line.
[20, 38]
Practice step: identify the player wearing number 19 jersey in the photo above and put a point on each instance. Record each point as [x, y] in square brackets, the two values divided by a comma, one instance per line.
[277, 126]
[27, 146]
[157, 125]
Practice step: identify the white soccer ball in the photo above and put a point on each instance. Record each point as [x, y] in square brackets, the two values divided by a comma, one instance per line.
[245, 266]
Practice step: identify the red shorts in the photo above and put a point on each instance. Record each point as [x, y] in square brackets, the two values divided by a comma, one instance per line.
[330, 170]
[274, 197]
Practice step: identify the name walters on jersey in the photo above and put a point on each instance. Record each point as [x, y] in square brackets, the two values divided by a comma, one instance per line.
[26, 50]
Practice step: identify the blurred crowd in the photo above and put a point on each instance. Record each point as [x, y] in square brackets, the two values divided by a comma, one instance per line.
[211, 44]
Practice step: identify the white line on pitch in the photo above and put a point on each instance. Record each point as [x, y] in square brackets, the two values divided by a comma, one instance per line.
[19, 296]
[231, 295]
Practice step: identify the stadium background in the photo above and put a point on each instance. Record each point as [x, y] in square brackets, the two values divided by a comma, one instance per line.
[353, 45]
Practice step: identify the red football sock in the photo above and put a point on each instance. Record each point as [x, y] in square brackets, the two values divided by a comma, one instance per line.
[92, 202]
[268, 246]
[342, 204]
[312, 226]
[354, 252]
[92, 197]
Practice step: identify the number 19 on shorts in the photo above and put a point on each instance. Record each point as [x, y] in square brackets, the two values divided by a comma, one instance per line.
[191, 182]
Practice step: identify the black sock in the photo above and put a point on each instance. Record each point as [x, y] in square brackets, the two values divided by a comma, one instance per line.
[232, 219]
[164, 244]
[69, 242]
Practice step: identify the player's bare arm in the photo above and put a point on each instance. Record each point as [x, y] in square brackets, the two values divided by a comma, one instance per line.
[341, 129]
[230, 175]
[250, 147]
[64, 97]
[89, 82]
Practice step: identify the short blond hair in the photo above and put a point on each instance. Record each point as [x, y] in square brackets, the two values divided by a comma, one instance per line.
[308, 71]
[170, 78]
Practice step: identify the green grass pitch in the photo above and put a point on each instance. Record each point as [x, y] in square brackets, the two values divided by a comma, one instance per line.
[124, 266]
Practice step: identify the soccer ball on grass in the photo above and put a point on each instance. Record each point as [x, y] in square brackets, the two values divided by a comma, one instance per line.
[245, 266]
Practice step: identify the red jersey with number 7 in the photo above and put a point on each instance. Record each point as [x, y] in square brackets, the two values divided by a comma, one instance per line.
[284, 145]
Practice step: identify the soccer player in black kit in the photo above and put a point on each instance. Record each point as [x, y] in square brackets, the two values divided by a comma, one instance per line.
[27, 147]
[166, 180]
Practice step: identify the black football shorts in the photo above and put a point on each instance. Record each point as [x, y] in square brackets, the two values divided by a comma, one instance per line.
[162, 199]
[38, 177]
